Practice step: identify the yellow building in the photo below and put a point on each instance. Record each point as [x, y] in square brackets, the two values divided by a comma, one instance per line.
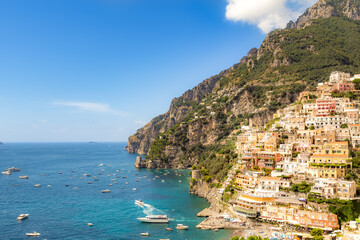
[332, 160]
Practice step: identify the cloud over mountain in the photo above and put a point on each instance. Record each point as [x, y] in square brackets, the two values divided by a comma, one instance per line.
[266, 14]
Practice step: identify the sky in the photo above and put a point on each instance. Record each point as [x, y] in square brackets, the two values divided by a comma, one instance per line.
[97, 70]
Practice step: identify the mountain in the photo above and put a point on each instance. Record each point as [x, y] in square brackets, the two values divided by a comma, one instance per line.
[201, 126]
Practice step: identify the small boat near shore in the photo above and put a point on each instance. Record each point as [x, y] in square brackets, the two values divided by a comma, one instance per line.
[182, 227]
[154, 219]
[34, 234]
[106, 191]
[22, 216]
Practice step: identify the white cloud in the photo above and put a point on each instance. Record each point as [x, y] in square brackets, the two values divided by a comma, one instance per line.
[89, 107]
[266, 14]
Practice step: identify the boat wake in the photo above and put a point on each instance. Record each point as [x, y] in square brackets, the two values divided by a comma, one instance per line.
[151, 210]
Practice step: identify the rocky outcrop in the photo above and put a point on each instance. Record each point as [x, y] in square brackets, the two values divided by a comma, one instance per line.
[326, 9]
[139, 163]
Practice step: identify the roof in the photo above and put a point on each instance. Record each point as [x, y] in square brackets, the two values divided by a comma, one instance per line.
[330, 156]
[289, 200]
[270, 178]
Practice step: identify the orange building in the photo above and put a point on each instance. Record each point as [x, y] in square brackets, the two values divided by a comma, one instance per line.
[326, 221]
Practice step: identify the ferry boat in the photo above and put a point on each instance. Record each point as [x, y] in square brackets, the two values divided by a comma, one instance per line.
[22, 216]
[155, 219]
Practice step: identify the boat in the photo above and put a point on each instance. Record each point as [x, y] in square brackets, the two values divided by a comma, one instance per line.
[139, 202]
[6, 172]
[90, 224]
[105, 191]
[169, 229]
[37, 185]
[12, 169]
[181, 227]
[23, 177]
[34, 234]
[134, 189]
[59, 172]
[145, 234]
[22, 216]
[154, 219]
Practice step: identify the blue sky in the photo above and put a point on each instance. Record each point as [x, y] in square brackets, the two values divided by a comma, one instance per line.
[97, 70]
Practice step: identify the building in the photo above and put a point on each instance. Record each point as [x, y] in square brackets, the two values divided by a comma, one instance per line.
[336, 77]
[250, 205]
[325, 221]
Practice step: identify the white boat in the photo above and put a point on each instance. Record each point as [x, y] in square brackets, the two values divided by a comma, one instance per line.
[139, 202]
[155, 219]
[6, 172]
[145, 234]
[105, 191]
[23, 177]
[37, 185]
[90, 224]
[181, 227]
[22, 216]
[33, 234]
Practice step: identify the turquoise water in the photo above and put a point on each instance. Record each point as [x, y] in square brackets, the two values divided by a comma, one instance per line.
[61, 212]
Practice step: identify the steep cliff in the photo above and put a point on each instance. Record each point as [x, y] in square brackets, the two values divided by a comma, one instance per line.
[326, 9]
[200, 127]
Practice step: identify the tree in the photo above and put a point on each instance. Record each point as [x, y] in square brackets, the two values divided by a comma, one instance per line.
[344, 125]
[312, 127]
[316, 232]
[356, 82]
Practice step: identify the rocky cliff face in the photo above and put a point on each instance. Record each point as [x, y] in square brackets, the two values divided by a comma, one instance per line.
[141, 141]
[326, 9]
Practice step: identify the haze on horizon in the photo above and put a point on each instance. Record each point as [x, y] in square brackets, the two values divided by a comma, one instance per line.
[80, 70]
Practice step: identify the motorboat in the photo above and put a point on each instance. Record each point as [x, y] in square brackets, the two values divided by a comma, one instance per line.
[181, 227]
[23, 177]
[154, 219]
[139, 202]
[34, 234]
[12, 169]
[145, 234]
[105, 191]
[90, 224]
[22, 216]
[37, 185]
[6, 172]
[168, 229]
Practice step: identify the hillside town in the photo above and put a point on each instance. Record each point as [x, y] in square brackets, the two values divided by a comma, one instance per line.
[291, 170]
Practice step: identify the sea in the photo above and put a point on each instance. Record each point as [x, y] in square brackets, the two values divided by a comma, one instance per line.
[70, 197]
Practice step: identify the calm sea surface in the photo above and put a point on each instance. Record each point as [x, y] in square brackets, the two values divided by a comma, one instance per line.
[62, 212]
